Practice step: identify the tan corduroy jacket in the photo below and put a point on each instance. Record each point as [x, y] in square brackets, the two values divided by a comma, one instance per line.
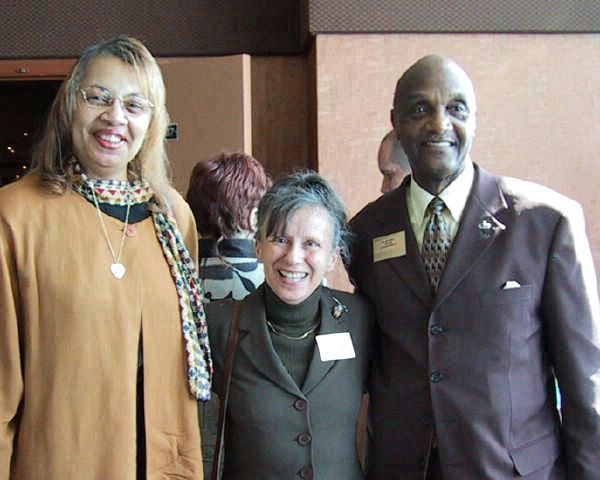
[69, 337]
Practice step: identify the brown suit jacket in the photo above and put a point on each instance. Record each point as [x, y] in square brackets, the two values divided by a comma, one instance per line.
[477, 362]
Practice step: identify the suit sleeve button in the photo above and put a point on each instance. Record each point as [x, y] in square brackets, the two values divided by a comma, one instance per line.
[436, 330]
[436, 377]
[300, 405]
[304, 439]
[306, 472]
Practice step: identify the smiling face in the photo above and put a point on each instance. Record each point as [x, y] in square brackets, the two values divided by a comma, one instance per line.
[106, 139]
[297, 258]
[434, 119]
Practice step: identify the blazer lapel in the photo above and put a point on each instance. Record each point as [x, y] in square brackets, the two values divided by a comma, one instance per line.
[478, 229]
[317, 368]
[255, 342]
[394, 217]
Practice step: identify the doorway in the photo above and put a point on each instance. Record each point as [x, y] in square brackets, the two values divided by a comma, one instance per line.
[24, 106]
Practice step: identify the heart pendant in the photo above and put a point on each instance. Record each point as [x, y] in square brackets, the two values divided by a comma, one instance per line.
[118, 270]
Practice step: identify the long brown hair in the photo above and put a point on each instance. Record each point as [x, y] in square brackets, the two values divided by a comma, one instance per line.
[53, 157]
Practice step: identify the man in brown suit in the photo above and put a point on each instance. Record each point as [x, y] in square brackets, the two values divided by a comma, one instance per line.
[465, 365]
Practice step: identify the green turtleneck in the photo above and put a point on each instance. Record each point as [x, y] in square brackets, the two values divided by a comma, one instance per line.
[293, 321]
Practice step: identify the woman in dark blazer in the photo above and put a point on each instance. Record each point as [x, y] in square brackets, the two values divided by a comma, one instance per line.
[301, 359]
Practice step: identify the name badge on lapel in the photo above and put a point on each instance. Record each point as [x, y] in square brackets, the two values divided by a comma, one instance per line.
[335, 346]
[389, 246]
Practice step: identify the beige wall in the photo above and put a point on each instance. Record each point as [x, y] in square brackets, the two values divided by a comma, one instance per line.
[538, 109]
[209, 99]
[257, 105]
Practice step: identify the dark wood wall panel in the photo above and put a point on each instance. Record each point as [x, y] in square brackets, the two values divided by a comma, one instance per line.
[358, 16]
[34, 29]
[280, 113]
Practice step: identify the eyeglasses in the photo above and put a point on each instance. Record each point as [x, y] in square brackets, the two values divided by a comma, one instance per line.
[98, 97]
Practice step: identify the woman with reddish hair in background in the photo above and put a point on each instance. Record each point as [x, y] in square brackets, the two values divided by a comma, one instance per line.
[224, 192]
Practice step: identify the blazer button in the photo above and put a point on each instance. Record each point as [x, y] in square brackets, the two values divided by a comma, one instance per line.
[436, 377]
[436, 330]
[300, 405]
[131, 231]
[304, 439]
[306, 472]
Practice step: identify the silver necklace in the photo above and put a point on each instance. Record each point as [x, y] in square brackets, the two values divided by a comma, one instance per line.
[116, 268]
[289, 337]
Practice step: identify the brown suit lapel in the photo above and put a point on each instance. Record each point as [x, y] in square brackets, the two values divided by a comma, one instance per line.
[479, 227]
[393, 217]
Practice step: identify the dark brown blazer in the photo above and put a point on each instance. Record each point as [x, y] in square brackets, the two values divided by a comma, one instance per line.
[477, 361]
[275, 429]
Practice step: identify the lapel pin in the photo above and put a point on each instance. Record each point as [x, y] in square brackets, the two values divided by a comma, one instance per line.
[488, 225]
[485, 227]
[338, 309]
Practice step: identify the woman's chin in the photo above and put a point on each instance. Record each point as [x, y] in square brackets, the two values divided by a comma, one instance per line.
[291, 294]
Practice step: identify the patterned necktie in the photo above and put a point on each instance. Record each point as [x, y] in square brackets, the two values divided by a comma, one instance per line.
[436, 242]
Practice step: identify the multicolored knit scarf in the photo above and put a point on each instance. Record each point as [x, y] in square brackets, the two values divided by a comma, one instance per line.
[181, 265]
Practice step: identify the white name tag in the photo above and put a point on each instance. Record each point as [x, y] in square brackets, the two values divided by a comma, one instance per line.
[335, 346]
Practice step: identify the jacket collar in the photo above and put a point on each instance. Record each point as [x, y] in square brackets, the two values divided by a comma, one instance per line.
[481, 223]
[255, 342]
[392, 216]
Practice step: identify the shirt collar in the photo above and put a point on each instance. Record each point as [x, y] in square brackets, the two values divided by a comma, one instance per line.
[454, 195]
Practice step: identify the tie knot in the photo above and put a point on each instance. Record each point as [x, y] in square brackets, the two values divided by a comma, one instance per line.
[436, 206]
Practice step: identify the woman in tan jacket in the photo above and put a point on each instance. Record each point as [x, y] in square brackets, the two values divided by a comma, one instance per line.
[103, 343]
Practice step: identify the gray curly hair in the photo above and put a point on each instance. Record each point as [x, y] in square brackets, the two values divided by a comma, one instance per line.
[299, 190]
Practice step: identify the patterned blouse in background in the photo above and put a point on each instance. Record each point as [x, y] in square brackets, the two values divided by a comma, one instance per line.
[235, 274]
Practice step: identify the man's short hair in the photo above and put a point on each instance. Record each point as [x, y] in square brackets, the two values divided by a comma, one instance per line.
[397, 154]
